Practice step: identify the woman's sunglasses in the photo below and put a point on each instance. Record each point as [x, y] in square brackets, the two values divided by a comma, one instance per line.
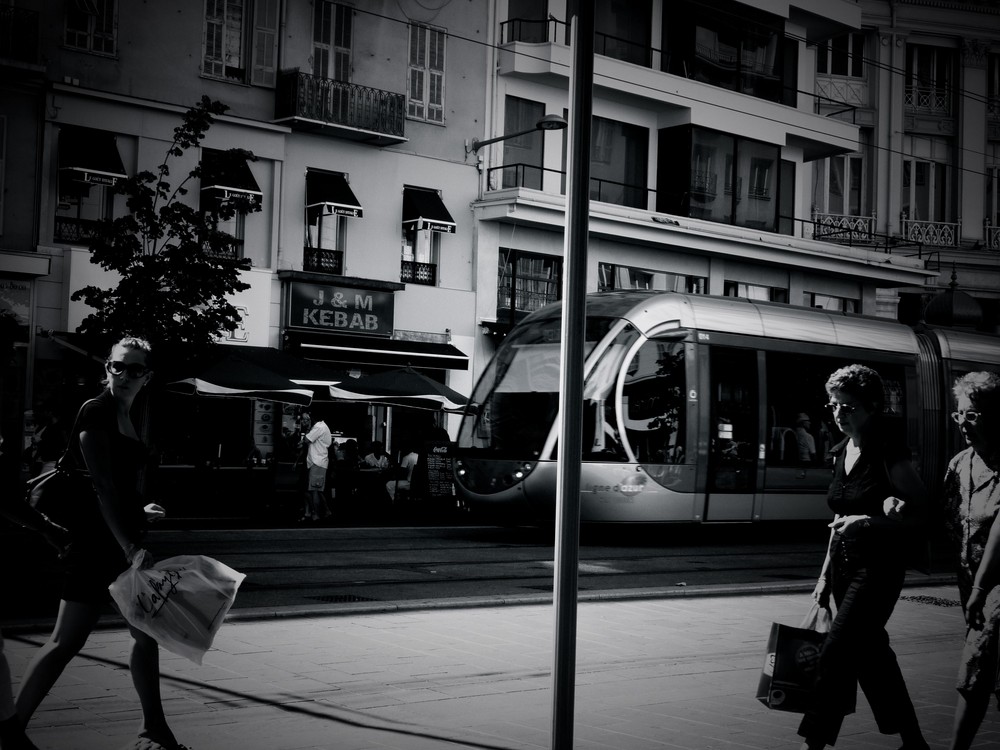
[968, 416]
[134, 370]
[846, 408]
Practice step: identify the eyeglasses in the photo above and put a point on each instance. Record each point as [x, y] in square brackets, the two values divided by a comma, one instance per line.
[970, 417]
[134, 370]
[846, 408]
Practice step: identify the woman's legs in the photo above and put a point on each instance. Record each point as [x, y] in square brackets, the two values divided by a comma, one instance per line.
[969, 713]
[74, 623]
[144, 663]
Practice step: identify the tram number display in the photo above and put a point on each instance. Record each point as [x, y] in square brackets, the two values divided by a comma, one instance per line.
[440, 461]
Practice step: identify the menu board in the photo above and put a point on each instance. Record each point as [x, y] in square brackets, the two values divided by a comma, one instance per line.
[440, 462]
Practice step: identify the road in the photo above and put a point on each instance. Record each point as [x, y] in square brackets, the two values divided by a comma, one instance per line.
[299, 567]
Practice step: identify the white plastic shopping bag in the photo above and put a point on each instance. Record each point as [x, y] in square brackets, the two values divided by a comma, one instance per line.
[181, 601]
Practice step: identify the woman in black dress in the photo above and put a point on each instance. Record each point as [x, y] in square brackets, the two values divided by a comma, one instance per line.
[879, 502]
[105, 539]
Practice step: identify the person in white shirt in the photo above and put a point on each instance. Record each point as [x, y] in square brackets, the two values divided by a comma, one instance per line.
[406, 465]
[318, 441]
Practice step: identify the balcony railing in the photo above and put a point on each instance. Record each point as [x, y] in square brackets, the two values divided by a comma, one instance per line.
[414, 272]
[928, 101]
[360, 112]
[323, 260]
[74, 231]
[532, 177]
[18, 34]
[992, 236]
[940, 233]
[843, 228]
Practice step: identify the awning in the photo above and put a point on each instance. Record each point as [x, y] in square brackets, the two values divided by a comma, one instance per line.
[401, 387]
[225, 176]
[425, 209]
[370, 350]
[329, 192]
[90, 156]
[300, 371]
[234, 377]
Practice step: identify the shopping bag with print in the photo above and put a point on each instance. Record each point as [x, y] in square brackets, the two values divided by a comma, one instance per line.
[180, 602]
[791, 661]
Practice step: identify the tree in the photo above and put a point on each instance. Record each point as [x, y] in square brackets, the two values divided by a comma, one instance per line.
[176, 268]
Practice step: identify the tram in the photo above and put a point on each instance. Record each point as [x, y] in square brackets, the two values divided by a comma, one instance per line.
[694, 406]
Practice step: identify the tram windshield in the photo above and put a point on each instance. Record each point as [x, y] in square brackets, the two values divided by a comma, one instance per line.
[517, 399]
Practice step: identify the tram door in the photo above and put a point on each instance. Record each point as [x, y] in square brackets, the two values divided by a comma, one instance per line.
[734, 434]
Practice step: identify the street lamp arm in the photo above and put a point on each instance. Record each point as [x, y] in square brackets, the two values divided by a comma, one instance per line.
[548, 122]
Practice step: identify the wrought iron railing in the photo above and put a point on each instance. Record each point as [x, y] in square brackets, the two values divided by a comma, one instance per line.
[940, 233]
[74, 231]
[928, 101]
[414, 272]
[992, 234]
[18, 34]
[323, 260]
[843, 228]
[325, 100]
[532, 177]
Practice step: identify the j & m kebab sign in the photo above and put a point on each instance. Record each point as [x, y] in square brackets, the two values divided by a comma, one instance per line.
[338, 309]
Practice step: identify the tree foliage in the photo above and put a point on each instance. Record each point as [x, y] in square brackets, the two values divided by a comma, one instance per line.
[175, 267]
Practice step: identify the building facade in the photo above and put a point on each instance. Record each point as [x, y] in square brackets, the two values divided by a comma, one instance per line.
[840, 154]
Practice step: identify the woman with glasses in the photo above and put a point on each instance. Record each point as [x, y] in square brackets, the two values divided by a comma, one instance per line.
[972, 499]
[877, 497]
[107, 536]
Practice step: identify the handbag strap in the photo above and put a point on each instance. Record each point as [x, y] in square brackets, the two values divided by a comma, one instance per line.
[69, 444]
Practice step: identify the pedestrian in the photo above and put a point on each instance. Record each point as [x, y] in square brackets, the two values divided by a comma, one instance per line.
[404, 473]
[12, 735]
[870, 545]
[317, 441]
[108, 536]
[971, 501]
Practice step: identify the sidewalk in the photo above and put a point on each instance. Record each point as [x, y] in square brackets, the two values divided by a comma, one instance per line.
[678, 672]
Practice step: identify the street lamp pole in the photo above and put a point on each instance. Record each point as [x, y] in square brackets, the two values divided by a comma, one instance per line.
[574, 319]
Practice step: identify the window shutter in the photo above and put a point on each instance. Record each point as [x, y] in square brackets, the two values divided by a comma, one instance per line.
[265, 44]
[215, 34]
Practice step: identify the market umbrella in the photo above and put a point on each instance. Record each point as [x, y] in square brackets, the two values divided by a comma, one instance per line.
[402, 387]
[235, 377]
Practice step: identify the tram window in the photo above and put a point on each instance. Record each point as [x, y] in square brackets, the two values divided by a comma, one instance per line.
[602, 440]
[801, 429]
[653, 403]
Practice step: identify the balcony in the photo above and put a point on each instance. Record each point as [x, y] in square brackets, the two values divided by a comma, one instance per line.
[414, 272]
[939, 233]
[18, 35]
[843, 228]
[341, 109]
[928, 101]
[992, 236]
[323, 260]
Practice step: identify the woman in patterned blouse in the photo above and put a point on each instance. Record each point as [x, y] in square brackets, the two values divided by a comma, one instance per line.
[972, 499]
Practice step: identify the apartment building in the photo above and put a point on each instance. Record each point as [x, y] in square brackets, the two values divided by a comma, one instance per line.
[823, 153]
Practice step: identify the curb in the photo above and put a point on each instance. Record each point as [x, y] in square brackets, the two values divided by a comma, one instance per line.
[350, 609]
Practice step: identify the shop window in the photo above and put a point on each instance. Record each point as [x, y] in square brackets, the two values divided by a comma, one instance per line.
[755, 291]
[241, 41]
[612, 277]
[425, 74]
[92, 26]
[333, 31]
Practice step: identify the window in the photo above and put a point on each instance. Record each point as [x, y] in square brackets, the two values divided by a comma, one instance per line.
[612, 277]
[527, 21]
[843, 55]
[829, 302]
[623, 30]
[523, 156]
[842, 183]
[425, 218]
[930, 79]
[425, 89]
[654, 403]
[926, 190]
[3, 164]
[92, 26]
[333, 29]
[619, 153]
[720, 177]
[89, 167]
[526, 282]
[241, 40]
[755, 291]
[993, 86]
